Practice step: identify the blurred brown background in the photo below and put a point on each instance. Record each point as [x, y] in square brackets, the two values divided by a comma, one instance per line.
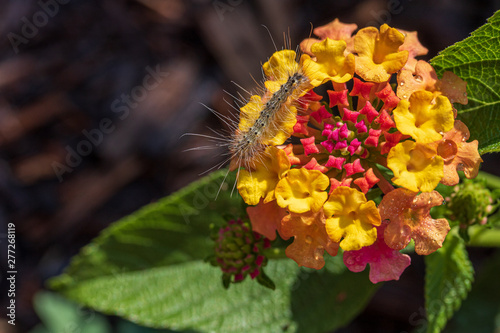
[95, 96]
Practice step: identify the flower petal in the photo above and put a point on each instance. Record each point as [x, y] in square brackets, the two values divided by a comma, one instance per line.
[302, 190]
[266, 218]
[415, 166]
[310, 238]
[261, 182]
[424, 77]
[454, 88]
[423, 119]
[385, 263]
[458, 155]
[410, 217]
[378, 53]
[352, 218]
[280, 65]
[331, 63]
[414, 48]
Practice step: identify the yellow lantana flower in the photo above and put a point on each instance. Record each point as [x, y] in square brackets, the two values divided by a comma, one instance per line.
[378, 53]
[422, 118]
[280, 66]
[352, 218]
[261, 182]
[415, 166]
[302, 190]
[331, 63]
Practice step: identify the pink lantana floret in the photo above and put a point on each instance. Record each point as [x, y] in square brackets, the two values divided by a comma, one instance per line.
[361, 127]
[334, 135]
[309, 145]
[314, 165]
[385, 121]
[329, 145]
[353, 146]
[327, 130]
[350, 115]
[341, 145]
[373, 136]
[335, 162]
[255, 273]
[334, 183]
[369, 111]
[353, 168]
[361, 89]
[321, 114]
[344, 132]
[367, 181]
[388, 96]
[300, 126]
[259, 260]
[385, 263]
[338, 98]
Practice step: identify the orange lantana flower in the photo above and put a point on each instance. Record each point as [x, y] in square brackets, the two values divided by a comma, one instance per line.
[266, 218]
[310, 238]
[409, 217]
[458, 155]
[414, 48]
[335, 30]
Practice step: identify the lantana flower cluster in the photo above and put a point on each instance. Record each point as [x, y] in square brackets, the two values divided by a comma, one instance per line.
[386, 126]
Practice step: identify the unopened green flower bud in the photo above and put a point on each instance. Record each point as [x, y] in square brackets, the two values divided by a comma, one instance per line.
[470, 203]
[239, 252]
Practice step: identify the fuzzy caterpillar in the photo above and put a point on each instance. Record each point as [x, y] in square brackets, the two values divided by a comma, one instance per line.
[250, 141]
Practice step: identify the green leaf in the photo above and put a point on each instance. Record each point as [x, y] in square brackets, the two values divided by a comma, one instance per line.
[448, 279]
[478, 311]
[190, 296]
[172, 230]
[476, 60]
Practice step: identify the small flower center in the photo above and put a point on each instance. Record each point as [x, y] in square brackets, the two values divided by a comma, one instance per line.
[412, 218]
[418, 161]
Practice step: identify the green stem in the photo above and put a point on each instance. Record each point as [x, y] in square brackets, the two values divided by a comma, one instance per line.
[492, 180]
[383, 184]
[484, 237]
[275, 253]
